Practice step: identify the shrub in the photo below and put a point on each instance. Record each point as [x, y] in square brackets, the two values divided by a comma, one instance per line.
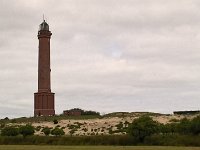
[38, 128]
[85, 129]
[169, 128]
[13, 121]
[110, 131]
[71, 132]
[46, 130]
[119, 126]
[184, 126]
[57, 132]
[195, 125]
[172, 127]
[174, 120]
[74, 126]
[90, 113]
[9, 131]
[126, 123]
[26, 130]
[55, 121]
[2, 125]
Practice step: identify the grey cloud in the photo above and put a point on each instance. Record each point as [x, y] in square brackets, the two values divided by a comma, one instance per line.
[134, 55]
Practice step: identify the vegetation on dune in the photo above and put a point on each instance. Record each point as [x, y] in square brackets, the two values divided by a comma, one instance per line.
[128, 114]
[84, 115]
[142, 131]
[48, 118]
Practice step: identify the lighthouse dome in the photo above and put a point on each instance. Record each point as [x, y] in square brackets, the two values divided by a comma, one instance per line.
[44, 26]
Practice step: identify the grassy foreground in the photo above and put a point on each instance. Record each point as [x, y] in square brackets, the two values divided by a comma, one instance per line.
[36, 147]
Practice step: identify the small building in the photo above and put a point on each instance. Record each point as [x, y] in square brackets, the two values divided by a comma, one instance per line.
[73, 112]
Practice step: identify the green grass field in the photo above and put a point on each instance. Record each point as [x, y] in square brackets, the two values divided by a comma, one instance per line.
[33, 147]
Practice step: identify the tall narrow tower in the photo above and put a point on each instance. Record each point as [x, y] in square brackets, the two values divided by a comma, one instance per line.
[44, 98]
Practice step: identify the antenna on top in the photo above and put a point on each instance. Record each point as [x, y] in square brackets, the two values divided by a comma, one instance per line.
[43, 17]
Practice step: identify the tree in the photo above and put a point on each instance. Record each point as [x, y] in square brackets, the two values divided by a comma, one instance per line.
[46, 130]
[9, 131]
[142, 127]
[57, 132]
[26, 130]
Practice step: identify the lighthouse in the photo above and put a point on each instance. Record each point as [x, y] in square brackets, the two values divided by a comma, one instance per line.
[44, 98]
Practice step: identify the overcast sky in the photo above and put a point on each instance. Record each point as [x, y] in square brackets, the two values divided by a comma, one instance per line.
[106, 55]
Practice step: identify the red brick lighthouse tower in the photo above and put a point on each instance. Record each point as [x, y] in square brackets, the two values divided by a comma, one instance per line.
[44, 98]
